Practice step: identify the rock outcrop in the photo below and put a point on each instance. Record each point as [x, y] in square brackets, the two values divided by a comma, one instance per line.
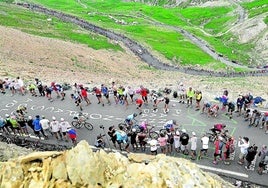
[81, 167]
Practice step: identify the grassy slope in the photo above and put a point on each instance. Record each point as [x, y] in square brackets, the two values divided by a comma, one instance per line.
[211, 20]
[37, 24]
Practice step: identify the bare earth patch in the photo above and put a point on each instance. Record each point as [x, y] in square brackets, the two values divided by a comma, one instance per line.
[31, 56]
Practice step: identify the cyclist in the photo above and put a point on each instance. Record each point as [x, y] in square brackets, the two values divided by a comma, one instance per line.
[169, 125]
[218, 128]
[213, 110]
[81, 118]
[130, 118]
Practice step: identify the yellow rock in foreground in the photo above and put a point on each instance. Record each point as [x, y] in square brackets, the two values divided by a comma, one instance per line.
[81, 167]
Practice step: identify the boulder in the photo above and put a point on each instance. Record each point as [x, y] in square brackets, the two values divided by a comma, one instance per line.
[81, 167]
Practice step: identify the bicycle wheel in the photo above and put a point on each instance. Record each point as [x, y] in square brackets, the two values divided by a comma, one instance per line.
[163, 131]
[89, 126]
[76, 124]
[153, 135]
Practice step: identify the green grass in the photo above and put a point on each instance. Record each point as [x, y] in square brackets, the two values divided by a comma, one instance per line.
[140, 25]
[256, 7]
[38, 24]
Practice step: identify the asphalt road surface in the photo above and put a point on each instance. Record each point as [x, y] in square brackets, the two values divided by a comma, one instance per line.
[114, 114]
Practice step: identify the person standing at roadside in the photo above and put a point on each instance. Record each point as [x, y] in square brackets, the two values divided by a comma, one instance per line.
[85, 95]
[144, 94]
[55, 128]
[198, 98]
[64, 125]
[131, 93]
[204, 149]
[243, 143]
[114, 88]
[105, 92]
[193, 142]
[45, 126]
[190, 95]
[21, 85]
[252, 151]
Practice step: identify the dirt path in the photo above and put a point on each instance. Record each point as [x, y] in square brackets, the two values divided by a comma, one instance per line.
[143, 53]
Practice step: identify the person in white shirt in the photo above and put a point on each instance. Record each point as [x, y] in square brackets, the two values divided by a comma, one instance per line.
[131, 93]
[21, 85]
[177, 143]
[55, 128]
[243, 143]
[193, 142]
[45, 126]
[204, 149]
[181, 93]
[64, 125]
[153, 146]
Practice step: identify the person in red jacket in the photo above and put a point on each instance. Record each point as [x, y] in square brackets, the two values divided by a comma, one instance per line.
[139, 103]
[144, 94]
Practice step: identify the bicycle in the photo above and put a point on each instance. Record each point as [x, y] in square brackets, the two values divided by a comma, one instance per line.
[128, 128]
[151, 132]
[78, 123]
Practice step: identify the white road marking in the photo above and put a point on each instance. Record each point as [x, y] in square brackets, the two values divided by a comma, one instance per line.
[222, 171]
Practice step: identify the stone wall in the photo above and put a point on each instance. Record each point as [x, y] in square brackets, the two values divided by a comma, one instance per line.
[81, 167]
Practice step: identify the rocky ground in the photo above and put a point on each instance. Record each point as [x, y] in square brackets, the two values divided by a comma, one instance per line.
[31, 56]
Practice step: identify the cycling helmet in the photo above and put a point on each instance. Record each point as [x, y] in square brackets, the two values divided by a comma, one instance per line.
[7, 116]
[135, 115]
[134, 130]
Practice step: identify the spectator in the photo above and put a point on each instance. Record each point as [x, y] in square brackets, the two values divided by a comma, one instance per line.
[105, 92]
[3, 125]
[30, 122]
[218, 144]
[204, 149]
[37, 126]
[230, 110]
[184, 139]
[177, 143]
[111, 133]
[153, 146]
[64, 125]
[144, 93]
[162, 140]
[181, 93]
[227, 150]
[114, 88]
[193, 142]
[141, 137]
[131, 93]
[252, 151]
[263, 154]
[21, 86]
[55, 128]
[139, 103]
[198, 98]
[85, 95]
[190, 95]
[170, 141]
[45, 126]
[98, 95]
[40, 87]
[122, 138]
[133, 139]
[243, 143]
[239, 105]
[72, 135]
